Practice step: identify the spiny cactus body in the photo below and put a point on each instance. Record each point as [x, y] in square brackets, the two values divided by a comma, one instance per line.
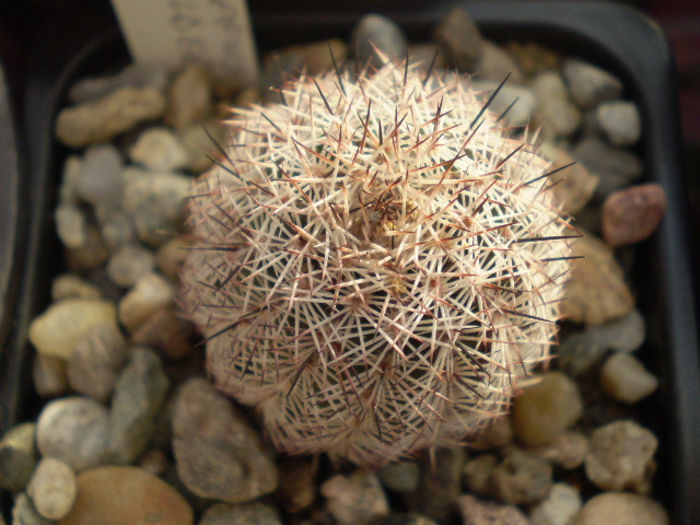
[378, 263]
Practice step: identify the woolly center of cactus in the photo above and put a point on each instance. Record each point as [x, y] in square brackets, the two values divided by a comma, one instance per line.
[378, 263]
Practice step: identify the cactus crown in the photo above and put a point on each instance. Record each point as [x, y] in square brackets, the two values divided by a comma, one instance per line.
[378, 263]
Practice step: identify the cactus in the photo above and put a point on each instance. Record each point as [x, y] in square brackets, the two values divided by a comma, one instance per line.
[379, 262]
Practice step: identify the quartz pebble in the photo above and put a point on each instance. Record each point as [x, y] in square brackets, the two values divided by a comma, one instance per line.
[521, 478]
[255, 513]
[49, 375]
[567, 451]
[620, 122]
[218, 454]
[56, 331]
[624, 378]
[133, 75]
[589, 84]
[95, 363]
[520, 99]
[129, 263]
[577, 183]
[117, 230]
[403, 519]
[24, 512]
[67, 191]
[159, 149]
[477, 474]
[478, 512]
[115, 495]
[356, 498]
[400, 477]
[495, 64]
[18, 457]
[615, 168]
[559, 114]
[167, 333]
[52, 488]
[633, 214]
[151, 293]
[199, 142]
[440, 484]
[377, 31]
[102, 119]
[459, 40]
[71, 225]
[622, 509]
[100, 182]
[621, 456]
[544, 410]
[90, 256]
[69, 286]
[74, 430]
[172, 254]
[499, 433]
[189, 97]
[559, 508]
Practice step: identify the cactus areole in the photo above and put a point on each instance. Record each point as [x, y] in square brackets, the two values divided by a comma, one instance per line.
[379, 263]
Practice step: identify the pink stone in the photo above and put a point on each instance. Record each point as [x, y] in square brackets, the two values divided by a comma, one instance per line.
[633, 214]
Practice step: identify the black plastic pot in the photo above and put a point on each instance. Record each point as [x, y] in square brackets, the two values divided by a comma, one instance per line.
[615, 37]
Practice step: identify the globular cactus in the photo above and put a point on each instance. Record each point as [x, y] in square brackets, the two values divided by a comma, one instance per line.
[379, 262]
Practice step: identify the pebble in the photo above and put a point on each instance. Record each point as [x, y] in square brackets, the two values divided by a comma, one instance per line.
[559, 114]
[403, 519]
[172, 254]
[74, 430]
[499, 433]
[596, 292]
[559, 508]
[167, 333]
[544, 410]
[69, 286]
[255, 513]
[189, 98]
[477, 474]
[129, 263]
[58, 329]
[297, 489]
[577, 183]
[533, 58]
[102, 119]
[24, 512]
[217, 452]
[199, 148]
[94, 365]
[623, 377]
[477, 512]
[18, 457]
[521, 478]
[520, 112]
[633, 214]
[615, 168]
[100, 182]
[155, 203]
[377, 31]
[49, 375]
[495, 64]
[71, 225]
[138, 394]
[315, 57]
[115, 495]
[620, 122]
[67, 191]
[400, 477]
[588, 84]
[621, 456]
[154, 462]
[567, 451]
[52, 488]
[117, 230]
[151, 293]
[622, 509]
[159, 149]
[440, 484]
[580, 351]
[356, 498]
[460, 40]
[133, 75]
[90, 256]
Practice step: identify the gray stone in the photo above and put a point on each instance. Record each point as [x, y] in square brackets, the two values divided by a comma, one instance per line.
[620, 122]
[172, 254]
[150, 294]
[477, 512]
[356, 498]
[159, 149]
[521, 478]
[377, 31]
[400, 477]
[189, 97]
[94, 365]
[255, 513]
[559, 114]
[403, 519]
[49, 375]
[580, 351]
[459, 40]
[154, 462]
[477, 474]
[134, 75]
[499, 433]
[623, 377]
[199, 147]
[18, 457]
[559, 508]
[74, 430]
[52, 488]
[90, 256]
[24, 512]
[439, 485]
[100, 182]
[621, 457]
[129, 263]
[69, 286]
[57, 330]
[567, 451]
[102, 119]
[218, 454]
[138, 394]
[622, 509]
[155, 202]
[520, 99]
[614, 167]
[575, 186]
[588, 84]
[495, 64]
[117, 230]
[71, 225]
[68, 192]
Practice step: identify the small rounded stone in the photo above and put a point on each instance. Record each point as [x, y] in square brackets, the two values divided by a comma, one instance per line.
[49, 375]
[172, 254]
[478, 512]
[633, 214]
[622, 509]
[620, 122]
[159, 149]
[129, 263]
[588, 84]
[69, 286]
[24, 512]
[521, 478]
[559, 508]
[189, 97]
[254, 513]
[377, 31]
[460, 40]
[18, 456]
[624, 378]
[477, 474]
[151, 293]
[567, 451]
[356, 498]
[400, 477]
[52, 488]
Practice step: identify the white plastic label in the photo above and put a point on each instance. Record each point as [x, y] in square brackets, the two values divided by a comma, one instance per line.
[216, 33]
